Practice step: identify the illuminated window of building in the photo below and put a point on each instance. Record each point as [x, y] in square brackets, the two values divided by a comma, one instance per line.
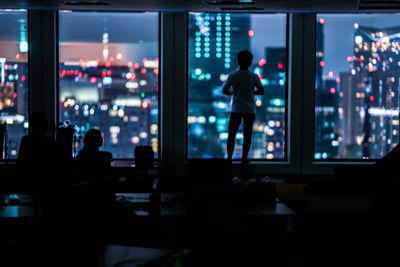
[109, 77]
[357, 85]
[214, 41]
[14, 77]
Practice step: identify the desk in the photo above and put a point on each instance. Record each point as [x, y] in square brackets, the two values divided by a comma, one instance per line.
[132, 256]
[22, 208]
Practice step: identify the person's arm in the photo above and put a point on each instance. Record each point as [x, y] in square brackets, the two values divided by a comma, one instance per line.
[259, 87]
[227, 86]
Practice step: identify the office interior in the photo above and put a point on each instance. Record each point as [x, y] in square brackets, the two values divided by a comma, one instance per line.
[318, 189]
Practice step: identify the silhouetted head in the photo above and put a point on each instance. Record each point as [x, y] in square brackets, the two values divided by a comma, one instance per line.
[38, 122]
[244, 59]
[93, 139]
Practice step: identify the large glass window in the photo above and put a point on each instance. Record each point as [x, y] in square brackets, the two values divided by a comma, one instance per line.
[109, 77]
[214, 41]
[357, 81]
[14, 77]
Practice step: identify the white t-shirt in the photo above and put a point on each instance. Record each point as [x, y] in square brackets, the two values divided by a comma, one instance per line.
[243, 83]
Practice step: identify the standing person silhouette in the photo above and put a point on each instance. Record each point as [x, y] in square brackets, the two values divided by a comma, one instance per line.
[245, 85]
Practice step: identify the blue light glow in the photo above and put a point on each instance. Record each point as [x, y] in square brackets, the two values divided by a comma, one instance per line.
[107, 81]
[212, 119]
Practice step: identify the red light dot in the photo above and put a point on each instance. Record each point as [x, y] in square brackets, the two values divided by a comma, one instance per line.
[109, 73]
[108, 64]
[111, 59]
[262, 62]
[63, 72]
[260, 77]
[349, 59]
[17, 56]
[136, 66]
[143, 71]
[144, 60]
[133, 76]
[130, 64]
[322, 63]
[15, 95]
[65, 104]
[371, 98]
[321, 21]
[23, 78]
[93, 79]
[80, 74]
[333, 90]
[251, 33]
[145, 104]
[280, 66]
[103, 75]
[338, 80]
[75, 72]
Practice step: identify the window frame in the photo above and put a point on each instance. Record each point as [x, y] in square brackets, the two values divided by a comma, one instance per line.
[159, 78]
[287, 89]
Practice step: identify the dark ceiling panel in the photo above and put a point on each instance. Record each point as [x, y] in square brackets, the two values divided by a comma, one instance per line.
[200, 5]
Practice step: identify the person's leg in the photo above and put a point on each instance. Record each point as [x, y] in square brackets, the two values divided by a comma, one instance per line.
[234, 123]
[248, 120]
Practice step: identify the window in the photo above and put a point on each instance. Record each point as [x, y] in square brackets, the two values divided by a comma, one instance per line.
[109, 77]
[14, 77]
[214, 41]
[357, 81]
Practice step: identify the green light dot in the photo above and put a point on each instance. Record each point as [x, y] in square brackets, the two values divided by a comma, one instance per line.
[198, 55]
[142, 94]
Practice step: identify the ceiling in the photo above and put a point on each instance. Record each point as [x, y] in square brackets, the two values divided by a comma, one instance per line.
[212, 5]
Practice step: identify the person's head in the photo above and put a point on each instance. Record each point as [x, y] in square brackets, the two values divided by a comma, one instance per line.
[38, 122]
[244, 59]
[93, 139]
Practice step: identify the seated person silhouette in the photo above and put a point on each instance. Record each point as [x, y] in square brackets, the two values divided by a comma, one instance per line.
[92, 164]
[36, 151]
[94, 193]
